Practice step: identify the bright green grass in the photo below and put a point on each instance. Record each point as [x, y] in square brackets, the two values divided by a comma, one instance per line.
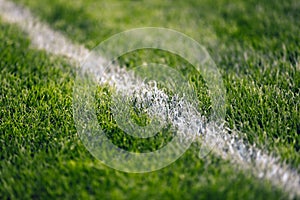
[137, 58]
[255, 45]
[42, 157]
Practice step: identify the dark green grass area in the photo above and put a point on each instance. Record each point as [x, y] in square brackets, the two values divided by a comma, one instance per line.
[43, 158]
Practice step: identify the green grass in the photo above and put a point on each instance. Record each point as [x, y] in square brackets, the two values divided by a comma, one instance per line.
[42, 157]
[256, 46]
[161, 138]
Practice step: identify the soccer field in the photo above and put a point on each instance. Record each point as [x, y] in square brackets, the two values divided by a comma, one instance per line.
[254, 44]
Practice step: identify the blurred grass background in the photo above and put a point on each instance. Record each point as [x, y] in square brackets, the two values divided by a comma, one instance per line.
[255, 44]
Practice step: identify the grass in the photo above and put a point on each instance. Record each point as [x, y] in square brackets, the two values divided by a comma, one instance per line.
[255, 45]
[256, 52]
[130, 61]
[42, 157]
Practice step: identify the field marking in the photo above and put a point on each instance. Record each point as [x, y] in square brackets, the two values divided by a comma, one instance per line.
[229, 146]
[41, 35]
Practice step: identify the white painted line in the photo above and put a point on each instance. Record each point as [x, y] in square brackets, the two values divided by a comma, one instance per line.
[41, 35]
[229, 147]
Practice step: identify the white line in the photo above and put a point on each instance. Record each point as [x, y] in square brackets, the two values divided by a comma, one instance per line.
[41, 35]
[229, 146]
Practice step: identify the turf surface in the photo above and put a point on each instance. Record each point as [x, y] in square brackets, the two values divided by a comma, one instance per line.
[255, 45]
